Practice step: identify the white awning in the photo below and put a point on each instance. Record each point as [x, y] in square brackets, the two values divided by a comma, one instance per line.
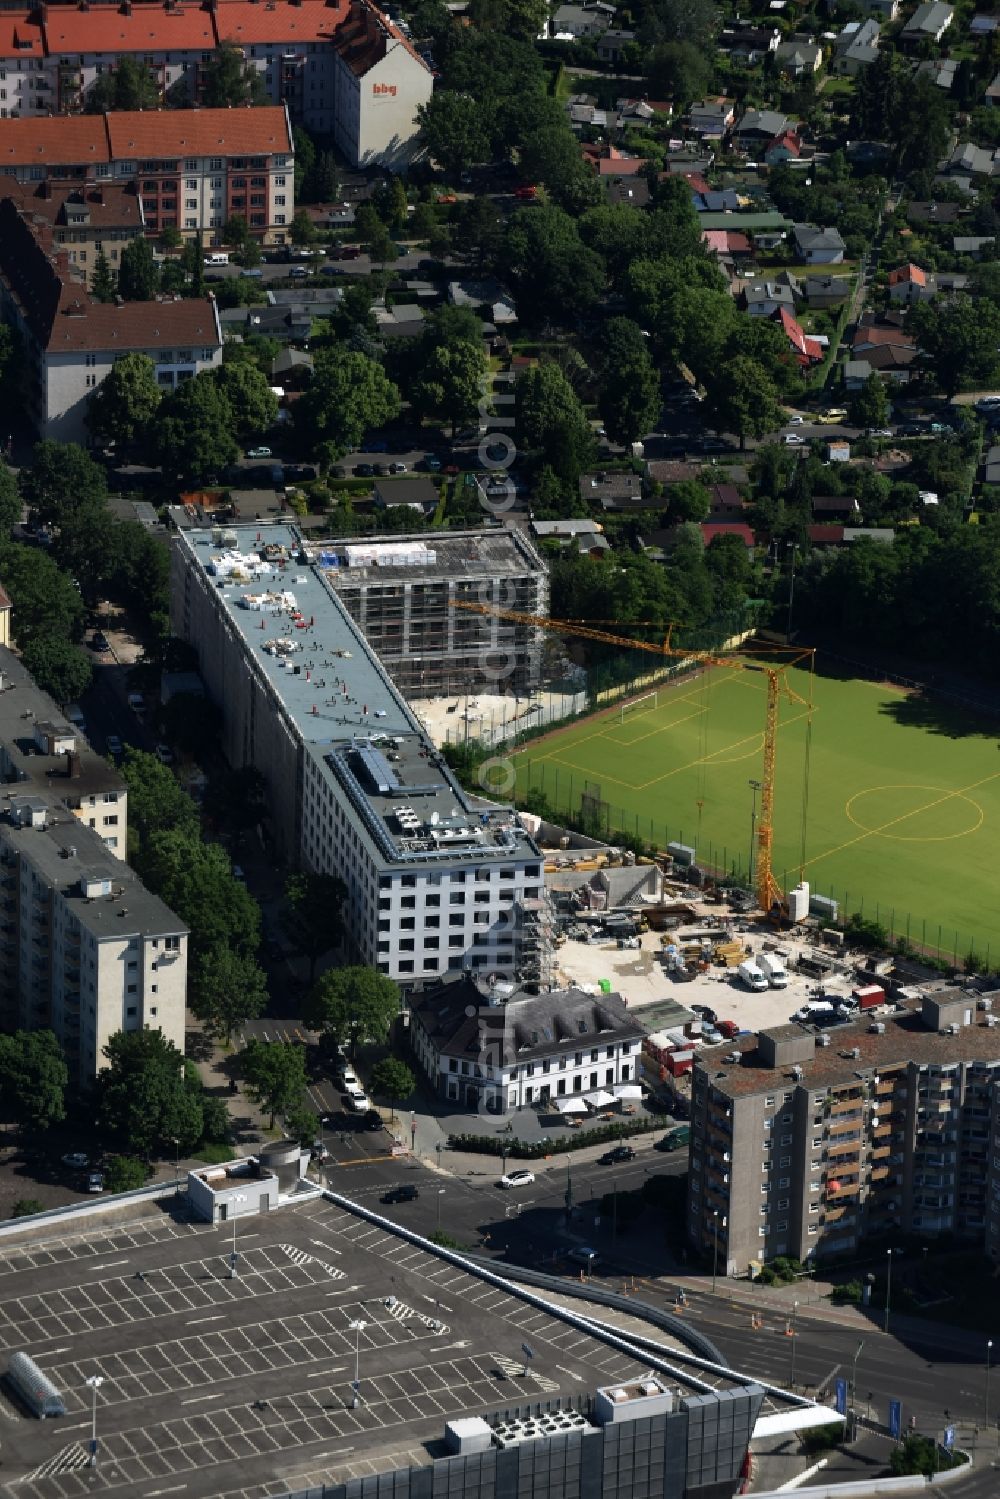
[571, 1106]
[599, 1099]
[630, 1091]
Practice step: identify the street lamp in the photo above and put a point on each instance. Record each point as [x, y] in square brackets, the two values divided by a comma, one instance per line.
[94, 1382]
[989, 1350]
[323, 1120]
[440, 1195]
[177, 1165]
[754, 787]
[888, 1286]
[854, 1374]
[715, 1247]
[795, 1308]
[359, 1328]
[791, 590]
[234, 1258]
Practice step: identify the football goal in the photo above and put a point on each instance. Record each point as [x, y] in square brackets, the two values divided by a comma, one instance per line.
[636, 705]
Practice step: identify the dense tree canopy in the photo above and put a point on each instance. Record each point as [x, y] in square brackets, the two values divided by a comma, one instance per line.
[123, 406]
[33, 1079]
[348, 394]
[146, 1097]
[353, 1005]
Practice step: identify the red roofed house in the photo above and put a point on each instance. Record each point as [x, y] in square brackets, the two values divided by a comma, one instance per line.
[808, 350]
[729, 242]
[341, 66]
[783, 147]
[825, 536]
[72, 342]
[83, 217]
[710, 529]
[909, 284]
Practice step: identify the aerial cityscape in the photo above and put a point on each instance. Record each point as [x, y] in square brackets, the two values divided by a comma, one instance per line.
[499, 624]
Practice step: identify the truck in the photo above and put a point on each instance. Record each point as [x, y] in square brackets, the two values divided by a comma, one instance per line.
[675, 1138]
[869, 996]
[727, 1028]
[773, 969]
[750, 975]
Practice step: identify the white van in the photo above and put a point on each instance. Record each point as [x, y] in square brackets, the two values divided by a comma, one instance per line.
[218, 257]
[751, 976]
[773, 970]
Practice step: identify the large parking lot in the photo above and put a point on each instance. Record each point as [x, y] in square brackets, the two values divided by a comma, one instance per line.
[215, 1385]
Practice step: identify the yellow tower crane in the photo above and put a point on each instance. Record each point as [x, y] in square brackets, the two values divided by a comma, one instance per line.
[768, 891]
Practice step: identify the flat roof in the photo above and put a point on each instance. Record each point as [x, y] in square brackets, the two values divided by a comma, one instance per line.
[227, 1386]
[450, 554]
[278, 596]
[25, 707]
[905, 1039]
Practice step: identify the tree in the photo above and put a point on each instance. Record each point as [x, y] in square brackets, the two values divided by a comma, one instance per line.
[870, 407]
[11, 504]
[124, 404]
[630, 399]
[157, 802]
[62, 479]
[355, 1005]
[26, 1207]
[312, 914]
[33, 1079]
[303, 230]
[138, 278]
[193, 433]
[692, 21]
[275, 1074]
[227, 990]
[479, 232]
[305, 160]
[229, 80]
[681, 71]
[454, 130]
[146, 1097]
[392, 204]
[524, 19]
[551, 419]
[555, 276]
[58, 667]
[348, 394]
[393, 1080]
[449, 382]
[102, 282]
[958, 341]
[251, 400]
[44, 598]
[129, 85]
[124, 1173]
[196, 880]
[742, 399]
[688, 501]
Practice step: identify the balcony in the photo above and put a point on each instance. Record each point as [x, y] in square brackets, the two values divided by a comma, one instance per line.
[846, 1122]
[846, 1103]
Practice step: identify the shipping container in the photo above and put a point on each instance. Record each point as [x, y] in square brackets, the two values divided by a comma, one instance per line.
[869, 997]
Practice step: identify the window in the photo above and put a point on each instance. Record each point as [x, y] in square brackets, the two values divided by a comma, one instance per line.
[786, 1139]
[215, 165]
[279, 199]
[769, 1102]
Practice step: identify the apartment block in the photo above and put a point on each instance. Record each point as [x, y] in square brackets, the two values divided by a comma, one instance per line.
[340, 67]
[402, 593]
[436, 880]
[806, 1142]
[83, 219]
[490, 1046]
[85, 949]
[71, 341]
[191, 169]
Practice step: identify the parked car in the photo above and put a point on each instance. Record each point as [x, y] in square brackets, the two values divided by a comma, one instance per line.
[100, 641]
[833, 416]
[432, 462]
[793, 440]
[397, 468]
[259, 453]
[373, 1120]
[405, 1193]
[517, 1179]
[527, 194]
[364, 471]
[319, 1151]
[619, 1153]
[114, 746]
[93, 1181]
[357, 1100]
[77, 1160]
[298, 272]
[584, 1256]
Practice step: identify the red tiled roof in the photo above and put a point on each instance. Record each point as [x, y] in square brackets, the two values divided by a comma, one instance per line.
[825, 535]
[110, 205]
[63, 140]
[168, 133]
[869, 336]
[788, 139]
[146, 28]
[710, 529]
[807, 348]
[19, 35]
[313, 21]
[696, 182]
[621, 166]
[911, 273]
[363, 37]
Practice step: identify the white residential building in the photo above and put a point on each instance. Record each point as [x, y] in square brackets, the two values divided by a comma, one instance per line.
[436, 880]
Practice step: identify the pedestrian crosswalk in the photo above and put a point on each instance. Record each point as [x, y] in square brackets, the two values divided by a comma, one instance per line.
[515, 1370]
[303, 1257]
[67, 1460]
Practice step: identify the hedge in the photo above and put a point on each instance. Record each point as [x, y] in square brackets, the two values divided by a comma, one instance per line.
[533, 1150]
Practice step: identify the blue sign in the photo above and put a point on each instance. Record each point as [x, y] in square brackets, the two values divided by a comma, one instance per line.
[949, 1438]
[528, 1352]
[841, 1403]
[895, 1418]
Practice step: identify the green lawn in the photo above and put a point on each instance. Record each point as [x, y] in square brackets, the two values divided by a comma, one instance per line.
[903, 793]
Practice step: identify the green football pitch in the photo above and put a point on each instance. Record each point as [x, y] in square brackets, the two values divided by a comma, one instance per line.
[897, 817]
